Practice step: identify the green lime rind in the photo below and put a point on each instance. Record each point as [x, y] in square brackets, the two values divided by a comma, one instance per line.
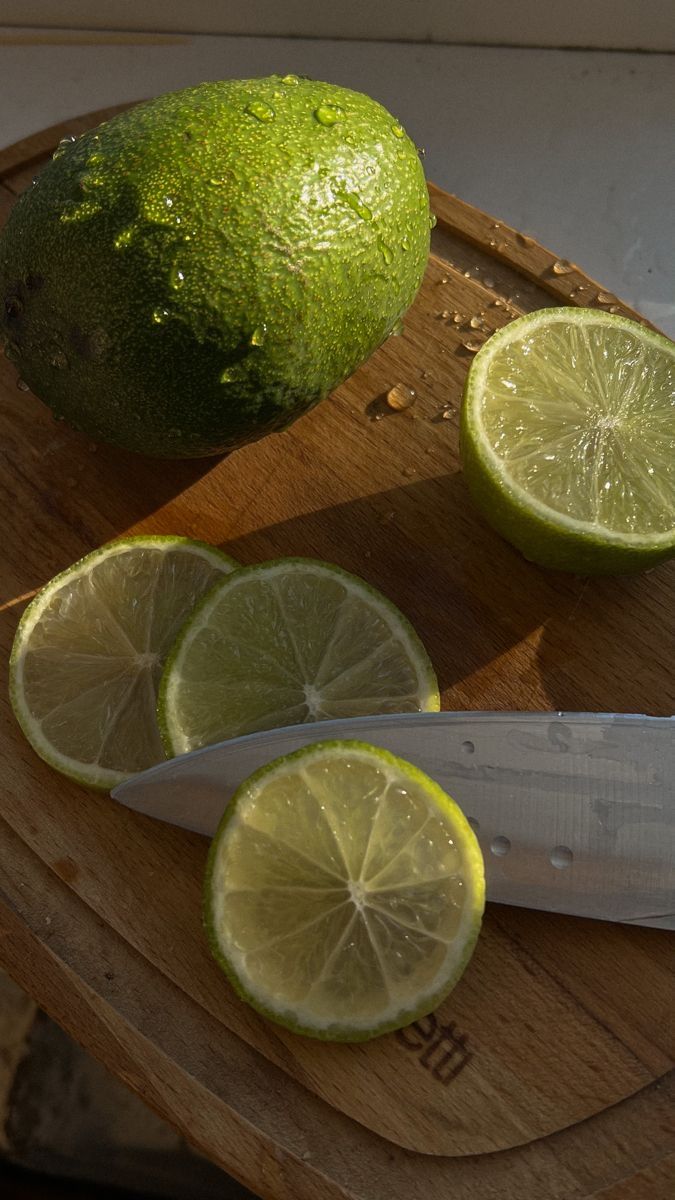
[99, 779]
[430, 700]
[206, 266]
[542, 535]
[464, 837]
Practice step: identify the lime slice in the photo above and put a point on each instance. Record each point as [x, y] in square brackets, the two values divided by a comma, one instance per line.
[289, 641]
[568, 439]
[344, 892]
[89, 650]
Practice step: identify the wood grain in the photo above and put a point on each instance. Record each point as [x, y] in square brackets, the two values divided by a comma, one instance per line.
[556, 1020]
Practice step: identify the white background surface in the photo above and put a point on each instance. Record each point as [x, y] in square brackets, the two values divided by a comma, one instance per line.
[574, 147]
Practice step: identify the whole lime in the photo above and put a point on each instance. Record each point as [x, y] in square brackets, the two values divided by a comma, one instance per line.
[205, 267]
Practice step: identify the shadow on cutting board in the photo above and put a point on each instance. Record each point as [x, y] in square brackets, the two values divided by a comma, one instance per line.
[500, 631]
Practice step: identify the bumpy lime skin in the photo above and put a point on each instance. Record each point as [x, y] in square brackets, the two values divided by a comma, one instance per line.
[204, 268]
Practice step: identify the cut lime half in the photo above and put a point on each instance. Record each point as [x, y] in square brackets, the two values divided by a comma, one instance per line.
[568, 439]
[344, 892]
[289, 641]
[89, 651]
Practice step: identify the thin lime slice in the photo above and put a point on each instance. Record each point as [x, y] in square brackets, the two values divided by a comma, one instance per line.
[344, 891]
[89, 651]
[568, 439]
[289, 641]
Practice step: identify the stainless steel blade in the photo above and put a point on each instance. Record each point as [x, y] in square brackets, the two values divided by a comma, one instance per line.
[575, 812]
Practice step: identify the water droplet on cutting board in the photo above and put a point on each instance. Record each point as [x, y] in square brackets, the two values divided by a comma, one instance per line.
[489, 283]
[22, 385]
[400, 397]
[562, 267]
[605, 298]
[472, 344]
[561, 857]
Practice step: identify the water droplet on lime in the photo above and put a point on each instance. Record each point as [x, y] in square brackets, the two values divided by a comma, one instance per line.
[398, 130]
[385, 251]
[260, 110]
[63, 145]
[354, 201]
[328, 114]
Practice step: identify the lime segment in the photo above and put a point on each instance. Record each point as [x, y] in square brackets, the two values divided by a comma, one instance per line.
[289, 641]
[344, 891]
[568, 431]
[89, 650]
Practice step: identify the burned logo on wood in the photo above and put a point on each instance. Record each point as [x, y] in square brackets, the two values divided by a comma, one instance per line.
[441, 1049]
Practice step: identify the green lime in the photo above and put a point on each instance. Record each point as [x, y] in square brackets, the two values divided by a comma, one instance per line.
[89, 651]
[289, 641]
[344, 892]
[205, 267]
[568, 439]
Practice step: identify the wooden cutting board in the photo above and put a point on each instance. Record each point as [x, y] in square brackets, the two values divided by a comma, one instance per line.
[545, 1072]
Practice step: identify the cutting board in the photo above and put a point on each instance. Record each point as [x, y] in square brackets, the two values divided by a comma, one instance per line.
[544, 1073]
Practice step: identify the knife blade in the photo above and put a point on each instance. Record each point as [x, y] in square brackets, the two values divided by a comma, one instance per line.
[575, 812]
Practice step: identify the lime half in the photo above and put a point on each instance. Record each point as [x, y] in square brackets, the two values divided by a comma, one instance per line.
[344, 892]
[289, 641]
[89, 651]
[568, 439]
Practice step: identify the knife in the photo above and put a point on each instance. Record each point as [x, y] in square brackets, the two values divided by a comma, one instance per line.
[574, 812]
